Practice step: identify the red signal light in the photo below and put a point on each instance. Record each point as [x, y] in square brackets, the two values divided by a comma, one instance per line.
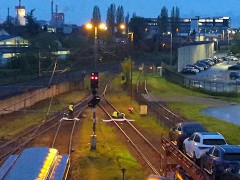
[96, 78]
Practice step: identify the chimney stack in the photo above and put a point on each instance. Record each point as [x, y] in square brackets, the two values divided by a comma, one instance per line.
[51, 8]
[56, 8]
[8, 18]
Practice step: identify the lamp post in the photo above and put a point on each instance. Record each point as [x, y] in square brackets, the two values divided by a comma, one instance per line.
[228, 32]
[131, 44]
[216, 40]
[171, 48]
[100, 26]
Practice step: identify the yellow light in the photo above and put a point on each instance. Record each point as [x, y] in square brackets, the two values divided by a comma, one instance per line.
[89, 26]
[102, 26]
[122, 26]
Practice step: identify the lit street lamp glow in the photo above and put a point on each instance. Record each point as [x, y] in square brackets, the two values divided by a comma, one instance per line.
[89, 26]
[102, 26]
[122, 26]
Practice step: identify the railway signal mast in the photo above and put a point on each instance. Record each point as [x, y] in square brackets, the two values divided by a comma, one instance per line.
[93, 103]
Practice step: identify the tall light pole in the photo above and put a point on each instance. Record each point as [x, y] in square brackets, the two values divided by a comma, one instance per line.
[171, 48]
[228, 32]
[131, 44]
[216, 40]
[94, 79]
[100, 26]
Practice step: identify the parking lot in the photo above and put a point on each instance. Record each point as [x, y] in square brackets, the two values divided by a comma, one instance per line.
[216, 78]
[218, 72]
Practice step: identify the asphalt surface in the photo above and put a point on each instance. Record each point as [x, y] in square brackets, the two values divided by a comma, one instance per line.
[216, 78]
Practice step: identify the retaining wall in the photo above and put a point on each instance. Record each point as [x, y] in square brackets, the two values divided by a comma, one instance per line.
[28, 99]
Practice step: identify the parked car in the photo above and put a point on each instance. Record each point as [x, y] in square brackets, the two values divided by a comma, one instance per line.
[205, 66]
[219, 158]
[205, 62]
[183, 130]
[234, 67]
[234, 75]
[189, 70]
[200, 142]
[232, 173]
[195, 67]
[232, 58]
[196, 84]
[210, 60]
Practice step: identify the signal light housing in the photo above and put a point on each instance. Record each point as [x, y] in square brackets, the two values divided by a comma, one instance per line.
[94, 80]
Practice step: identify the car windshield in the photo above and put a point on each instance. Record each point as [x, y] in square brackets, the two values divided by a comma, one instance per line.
[232, 156]
[214, 141]
[193, 128]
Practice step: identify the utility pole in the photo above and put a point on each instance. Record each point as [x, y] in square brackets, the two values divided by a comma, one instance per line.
[95, 47]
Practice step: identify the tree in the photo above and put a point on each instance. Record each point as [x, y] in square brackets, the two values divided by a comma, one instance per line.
[163, 20]
[127, 64]
[127, 19]
[119, 15]
[96, 18]
[175, 20]
[111, 12]
[32, 26]
[137, 25]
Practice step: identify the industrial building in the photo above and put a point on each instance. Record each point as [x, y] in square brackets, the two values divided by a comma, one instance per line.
[20, 13]
[204, 28]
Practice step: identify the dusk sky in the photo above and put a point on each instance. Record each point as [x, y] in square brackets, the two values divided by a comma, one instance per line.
[80, 11]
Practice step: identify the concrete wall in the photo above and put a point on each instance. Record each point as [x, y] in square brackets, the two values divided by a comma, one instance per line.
[30, 98]
[192, 53]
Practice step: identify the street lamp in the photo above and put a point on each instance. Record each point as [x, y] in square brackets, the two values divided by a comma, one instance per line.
[90, 26]
[228, 31]
[171, 48]
[216, 40]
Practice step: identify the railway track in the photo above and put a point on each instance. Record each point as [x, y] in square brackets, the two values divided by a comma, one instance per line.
[17, 144]
[148, 152]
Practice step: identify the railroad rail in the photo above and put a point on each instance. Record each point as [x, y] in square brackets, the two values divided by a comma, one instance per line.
[148, 152]
[20, 141]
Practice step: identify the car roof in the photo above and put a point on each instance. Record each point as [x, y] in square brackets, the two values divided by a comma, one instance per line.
[229, 148]
[210, 135]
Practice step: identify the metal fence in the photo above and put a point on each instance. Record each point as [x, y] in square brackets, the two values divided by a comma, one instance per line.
[199, 84]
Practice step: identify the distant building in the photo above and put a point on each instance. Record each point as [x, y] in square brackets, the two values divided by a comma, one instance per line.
[57, 20]
[20, 13]
[203, 27]
[10, 46]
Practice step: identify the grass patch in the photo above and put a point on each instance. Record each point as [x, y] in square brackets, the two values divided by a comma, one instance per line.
[160, 86]
[193, 112]
[107, 160]
[15, 123]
